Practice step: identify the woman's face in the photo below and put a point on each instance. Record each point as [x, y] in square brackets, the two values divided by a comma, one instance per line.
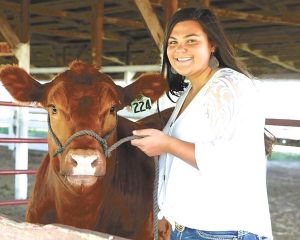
[189, 49]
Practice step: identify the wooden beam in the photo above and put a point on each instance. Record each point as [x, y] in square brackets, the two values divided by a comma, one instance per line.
[75, 35]
[97, 33]
[25, 24]
[48, 11]
[86, 16]
[151, 20]
[122, 22]
[273, 59]
[19, 49]
[255, 17]
[5, 50]
[170, 7]
[264, 36]
[265, 7]
[8, 33]
[114, 60]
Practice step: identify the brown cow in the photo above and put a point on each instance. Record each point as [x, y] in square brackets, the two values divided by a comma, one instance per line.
[79, 185]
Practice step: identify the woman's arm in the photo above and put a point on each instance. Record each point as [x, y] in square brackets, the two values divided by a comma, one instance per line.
[155, 142]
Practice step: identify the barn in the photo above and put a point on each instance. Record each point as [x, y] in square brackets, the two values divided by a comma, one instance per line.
[124, 39]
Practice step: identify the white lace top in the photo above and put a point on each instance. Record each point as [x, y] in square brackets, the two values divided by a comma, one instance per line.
[228, 191]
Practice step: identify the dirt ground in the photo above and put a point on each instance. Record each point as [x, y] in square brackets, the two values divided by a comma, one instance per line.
[283, 181]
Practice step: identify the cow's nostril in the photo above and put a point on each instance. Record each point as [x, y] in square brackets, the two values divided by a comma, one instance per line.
[95, 163]
[74, 162]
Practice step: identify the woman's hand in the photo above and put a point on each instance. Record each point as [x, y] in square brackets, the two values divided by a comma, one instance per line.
[153, 143]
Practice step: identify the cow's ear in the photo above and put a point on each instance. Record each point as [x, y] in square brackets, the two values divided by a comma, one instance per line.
[151, 85]
[20, 84]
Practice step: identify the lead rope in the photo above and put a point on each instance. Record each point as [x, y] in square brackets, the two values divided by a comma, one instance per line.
[155, 202]
[155, 184]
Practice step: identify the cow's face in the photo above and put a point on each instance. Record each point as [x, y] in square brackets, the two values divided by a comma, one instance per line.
[80, 98]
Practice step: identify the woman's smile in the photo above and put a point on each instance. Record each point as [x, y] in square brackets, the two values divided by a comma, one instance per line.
[183, 59]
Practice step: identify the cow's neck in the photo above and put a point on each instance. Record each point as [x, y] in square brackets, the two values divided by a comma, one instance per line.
[74, 206]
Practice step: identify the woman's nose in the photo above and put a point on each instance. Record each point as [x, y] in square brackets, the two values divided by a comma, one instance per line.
[180, 48]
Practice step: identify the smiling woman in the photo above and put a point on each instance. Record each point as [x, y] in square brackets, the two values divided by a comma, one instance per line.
[206, 184]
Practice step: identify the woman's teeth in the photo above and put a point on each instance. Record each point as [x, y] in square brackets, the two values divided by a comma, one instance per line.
[183, 59]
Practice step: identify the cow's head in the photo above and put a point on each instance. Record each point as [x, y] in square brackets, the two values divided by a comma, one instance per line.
[81, 98]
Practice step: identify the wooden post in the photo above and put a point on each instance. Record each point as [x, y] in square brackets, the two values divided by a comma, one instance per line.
[24, 30]
[151, 20]
[205, 3]
[170, 7]
[97, 32]
[22, 115]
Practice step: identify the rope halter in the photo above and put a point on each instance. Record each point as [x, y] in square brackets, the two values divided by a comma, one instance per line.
[101, 140]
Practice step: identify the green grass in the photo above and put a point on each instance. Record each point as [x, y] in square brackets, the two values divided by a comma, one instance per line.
[37, 133]
[3, 130]
[31, 132]
[284, 156]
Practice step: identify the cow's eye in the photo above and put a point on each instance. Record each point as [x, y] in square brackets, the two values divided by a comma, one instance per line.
[53, 109]
[113, 109]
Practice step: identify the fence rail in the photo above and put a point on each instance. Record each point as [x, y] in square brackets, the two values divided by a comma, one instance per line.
[12, 104]
[13, 172]
[13, 203]
[23, 140]
[283, 122]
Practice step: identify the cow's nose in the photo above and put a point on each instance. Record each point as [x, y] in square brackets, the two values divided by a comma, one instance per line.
[83, 162]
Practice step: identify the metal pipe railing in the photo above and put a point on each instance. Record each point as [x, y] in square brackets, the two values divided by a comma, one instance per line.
[13, 172]
[23, 140]
[13, 203]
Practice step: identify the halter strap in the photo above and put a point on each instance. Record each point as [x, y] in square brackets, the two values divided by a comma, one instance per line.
[61, 148]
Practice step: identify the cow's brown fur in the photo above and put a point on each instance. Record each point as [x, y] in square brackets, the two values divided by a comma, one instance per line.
[120, 202]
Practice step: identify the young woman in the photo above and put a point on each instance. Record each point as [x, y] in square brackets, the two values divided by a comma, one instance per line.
[212, 181]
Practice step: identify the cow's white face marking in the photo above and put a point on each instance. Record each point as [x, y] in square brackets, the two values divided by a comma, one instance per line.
[84, 164]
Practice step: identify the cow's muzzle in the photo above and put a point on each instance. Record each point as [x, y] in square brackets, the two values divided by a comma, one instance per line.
[83, 166]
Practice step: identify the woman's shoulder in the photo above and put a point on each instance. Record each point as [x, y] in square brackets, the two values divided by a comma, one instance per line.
[230, 73]
[230, 77]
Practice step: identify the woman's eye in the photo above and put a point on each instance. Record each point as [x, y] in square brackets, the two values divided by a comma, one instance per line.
[191, 41]
[171, 43]
[53, 109]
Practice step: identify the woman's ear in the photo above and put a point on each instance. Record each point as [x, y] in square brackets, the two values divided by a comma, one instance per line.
[213, 48]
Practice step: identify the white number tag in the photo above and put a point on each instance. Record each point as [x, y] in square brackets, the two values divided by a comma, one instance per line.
[141, 104]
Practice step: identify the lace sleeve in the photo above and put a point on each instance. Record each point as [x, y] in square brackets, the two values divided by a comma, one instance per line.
[221, 103]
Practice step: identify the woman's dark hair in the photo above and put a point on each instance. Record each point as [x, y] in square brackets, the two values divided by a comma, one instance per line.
[224, 51]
